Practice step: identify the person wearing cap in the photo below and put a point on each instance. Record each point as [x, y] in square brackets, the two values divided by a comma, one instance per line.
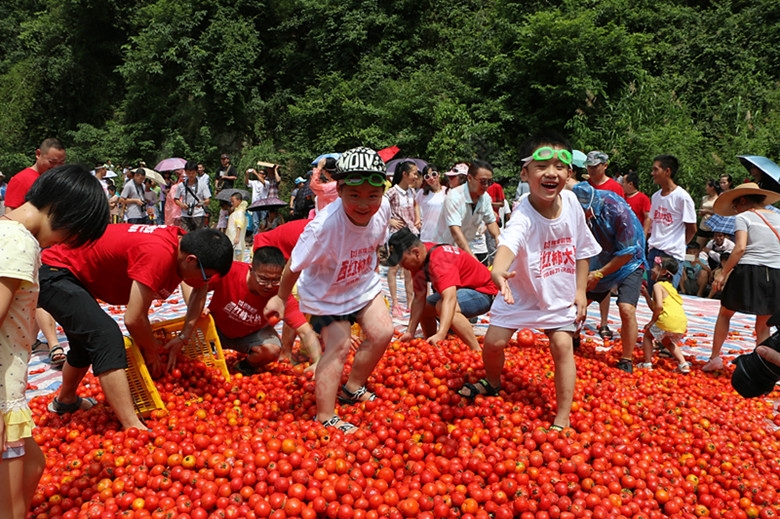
[620, 264]
[100, 173]
[298, 181]
[51, 154]
[192, 196]
[462, 287]
[226, 174]
[672, 222]
[336, 260]
[597, 163]
[750, 277]
[466, 207]
[133, 199]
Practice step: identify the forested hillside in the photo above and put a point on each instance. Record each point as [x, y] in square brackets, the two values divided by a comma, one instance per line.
[285, 80]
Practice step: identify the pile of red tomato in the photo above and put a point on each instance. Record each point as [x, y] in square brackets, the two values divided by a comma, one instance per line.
[648, 445]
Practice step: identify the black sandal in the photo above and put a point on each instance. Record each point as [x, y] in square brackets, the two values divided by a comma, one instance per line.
[347, 397]
[605, 332]
[55, 406]
[57, 356]
[482, 387]
[341, 425]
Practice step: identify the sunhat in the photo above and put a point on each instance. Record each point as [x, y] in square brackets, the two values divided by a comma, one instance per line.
[723, 205]
[461, 168]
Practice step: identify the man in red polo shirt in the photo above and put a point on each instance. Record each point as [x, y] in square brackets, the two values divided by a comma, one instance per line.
[237, 306]
[51, 154]
[129, 265]
[597, 162]
[462, 287]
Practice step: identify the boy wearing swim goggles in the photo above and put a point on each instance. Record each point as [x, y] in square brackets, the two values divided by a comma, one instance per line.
[341, 285]
[541, 271]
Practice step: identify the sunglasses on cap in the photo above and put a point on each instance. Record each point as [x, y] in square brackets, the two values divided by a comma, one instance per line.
[356, 179]
[548, 153]
[431, 174]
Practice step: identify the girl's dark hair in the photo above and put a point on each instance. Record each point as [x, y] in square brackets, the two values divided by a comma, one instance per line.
[475, 165]
[730, 180]
[715, 185]
[403, 167]
[670, 265]
[75, 200]
[426, 188]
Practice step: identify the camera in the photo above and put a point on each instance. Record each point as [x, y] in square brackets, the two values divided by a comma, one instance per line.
[190, 209]
[753, 375]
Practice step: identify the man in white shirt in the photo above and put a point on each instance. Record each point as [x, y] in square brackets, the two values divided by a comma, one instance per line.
[466, 207]
[672, 221]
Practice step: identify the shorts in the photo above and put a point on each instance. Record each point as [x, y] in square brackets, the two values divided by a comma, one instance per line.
[752, 289]
[14, 450]
[265, 335]
[704, 233]
[318, 322]
[652, 253]
[471, 302]
[659, 335]
[94, 337]
[628, 289]
[571, 328]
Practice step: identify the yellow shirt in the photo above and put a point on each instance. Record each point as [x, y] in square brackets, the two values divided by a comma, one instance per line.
[672, 318]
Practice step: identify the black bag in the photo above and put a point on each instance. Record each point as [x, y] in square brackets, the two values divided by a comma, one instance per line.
[304, 202]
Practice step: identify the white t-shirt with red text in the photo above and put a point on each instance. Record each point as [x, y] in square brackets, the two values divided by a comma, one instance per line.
[338, 261]
[546, 251]
[669, 214]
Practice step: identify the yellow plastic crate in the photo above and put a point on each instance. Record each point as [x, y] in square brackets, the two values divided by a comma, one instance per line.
[204, 344]
[145, 396]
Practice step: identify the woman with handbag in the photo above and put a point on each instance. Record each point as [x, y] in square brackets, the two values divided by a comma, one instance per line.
[750, 278]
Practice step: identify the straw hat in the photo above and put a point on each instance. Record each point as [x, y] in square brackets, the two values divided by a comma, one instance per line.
[723, 205]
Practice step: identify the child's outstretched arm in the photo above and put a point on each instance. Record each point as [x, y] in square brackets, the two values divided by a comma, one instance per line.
[501, 263]
[656, 303]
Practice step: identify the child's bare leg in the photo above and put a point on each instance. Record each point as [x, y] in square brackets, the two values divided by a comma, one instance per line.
[48, 326]
[647, 347]
[675, 350]
[496, 339]
[565, 374]
[377, 328]
[18, 480]
[721, 331]
[336, 337]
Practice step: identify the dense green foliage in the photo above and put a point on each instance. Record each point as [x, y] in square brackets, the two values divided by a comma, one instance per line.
[285, 80]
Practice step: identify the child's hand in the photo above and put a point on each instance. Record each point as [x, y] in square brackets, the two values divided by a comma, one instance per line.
[500, 279]
[643, 290]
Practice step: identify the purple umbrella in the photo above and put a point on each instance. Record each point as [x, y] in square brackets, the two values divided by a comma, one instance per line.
[394, 163]
[170, 164]
[267, 203]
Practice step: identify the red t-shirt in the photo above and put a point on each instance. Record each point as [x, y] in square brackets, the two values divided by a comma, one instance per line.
[611, 185]
[238, 312]
[283, 237]
[640, 204]
[125, 253]
[496, 193]
[450, 266]
[18, 187]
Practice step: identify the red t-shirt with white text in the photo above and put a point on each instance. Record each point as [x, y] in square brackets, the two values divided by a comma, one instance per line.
[125, 253]
[450, 266]
[237, 312]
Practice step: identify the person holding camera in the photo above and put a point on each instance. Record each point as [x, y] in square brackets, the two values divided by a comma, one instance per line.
[192, 196]
[133, 199]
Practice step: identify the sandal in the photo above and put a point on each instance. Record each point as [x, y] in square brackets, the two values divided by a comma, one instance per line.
[39, 345]
[245, 368]
[341, 425]
[347, 397]
[57, 356]
[556, 428]
[482, 387]
[55, 406]
[605, 332]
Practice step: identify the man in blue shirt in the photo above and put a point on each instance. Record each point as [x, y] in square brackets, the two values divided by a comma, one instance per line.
[620, 264]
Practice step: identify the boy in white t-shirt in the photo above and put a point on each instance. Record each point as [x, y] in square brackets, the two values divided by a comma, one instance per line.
[336, 260]
[541, 270]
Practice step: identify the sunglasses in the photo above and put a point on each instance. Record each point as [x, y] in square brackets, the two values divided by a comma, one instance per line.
[202, 271]
[484, 182]
[548, 153]
[356, 179]
[267, 282]
[432, 174]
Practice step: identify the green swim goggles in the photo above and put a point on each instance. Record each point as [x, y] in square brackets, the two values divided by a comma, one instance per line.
[548, 153]
[356, 179]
